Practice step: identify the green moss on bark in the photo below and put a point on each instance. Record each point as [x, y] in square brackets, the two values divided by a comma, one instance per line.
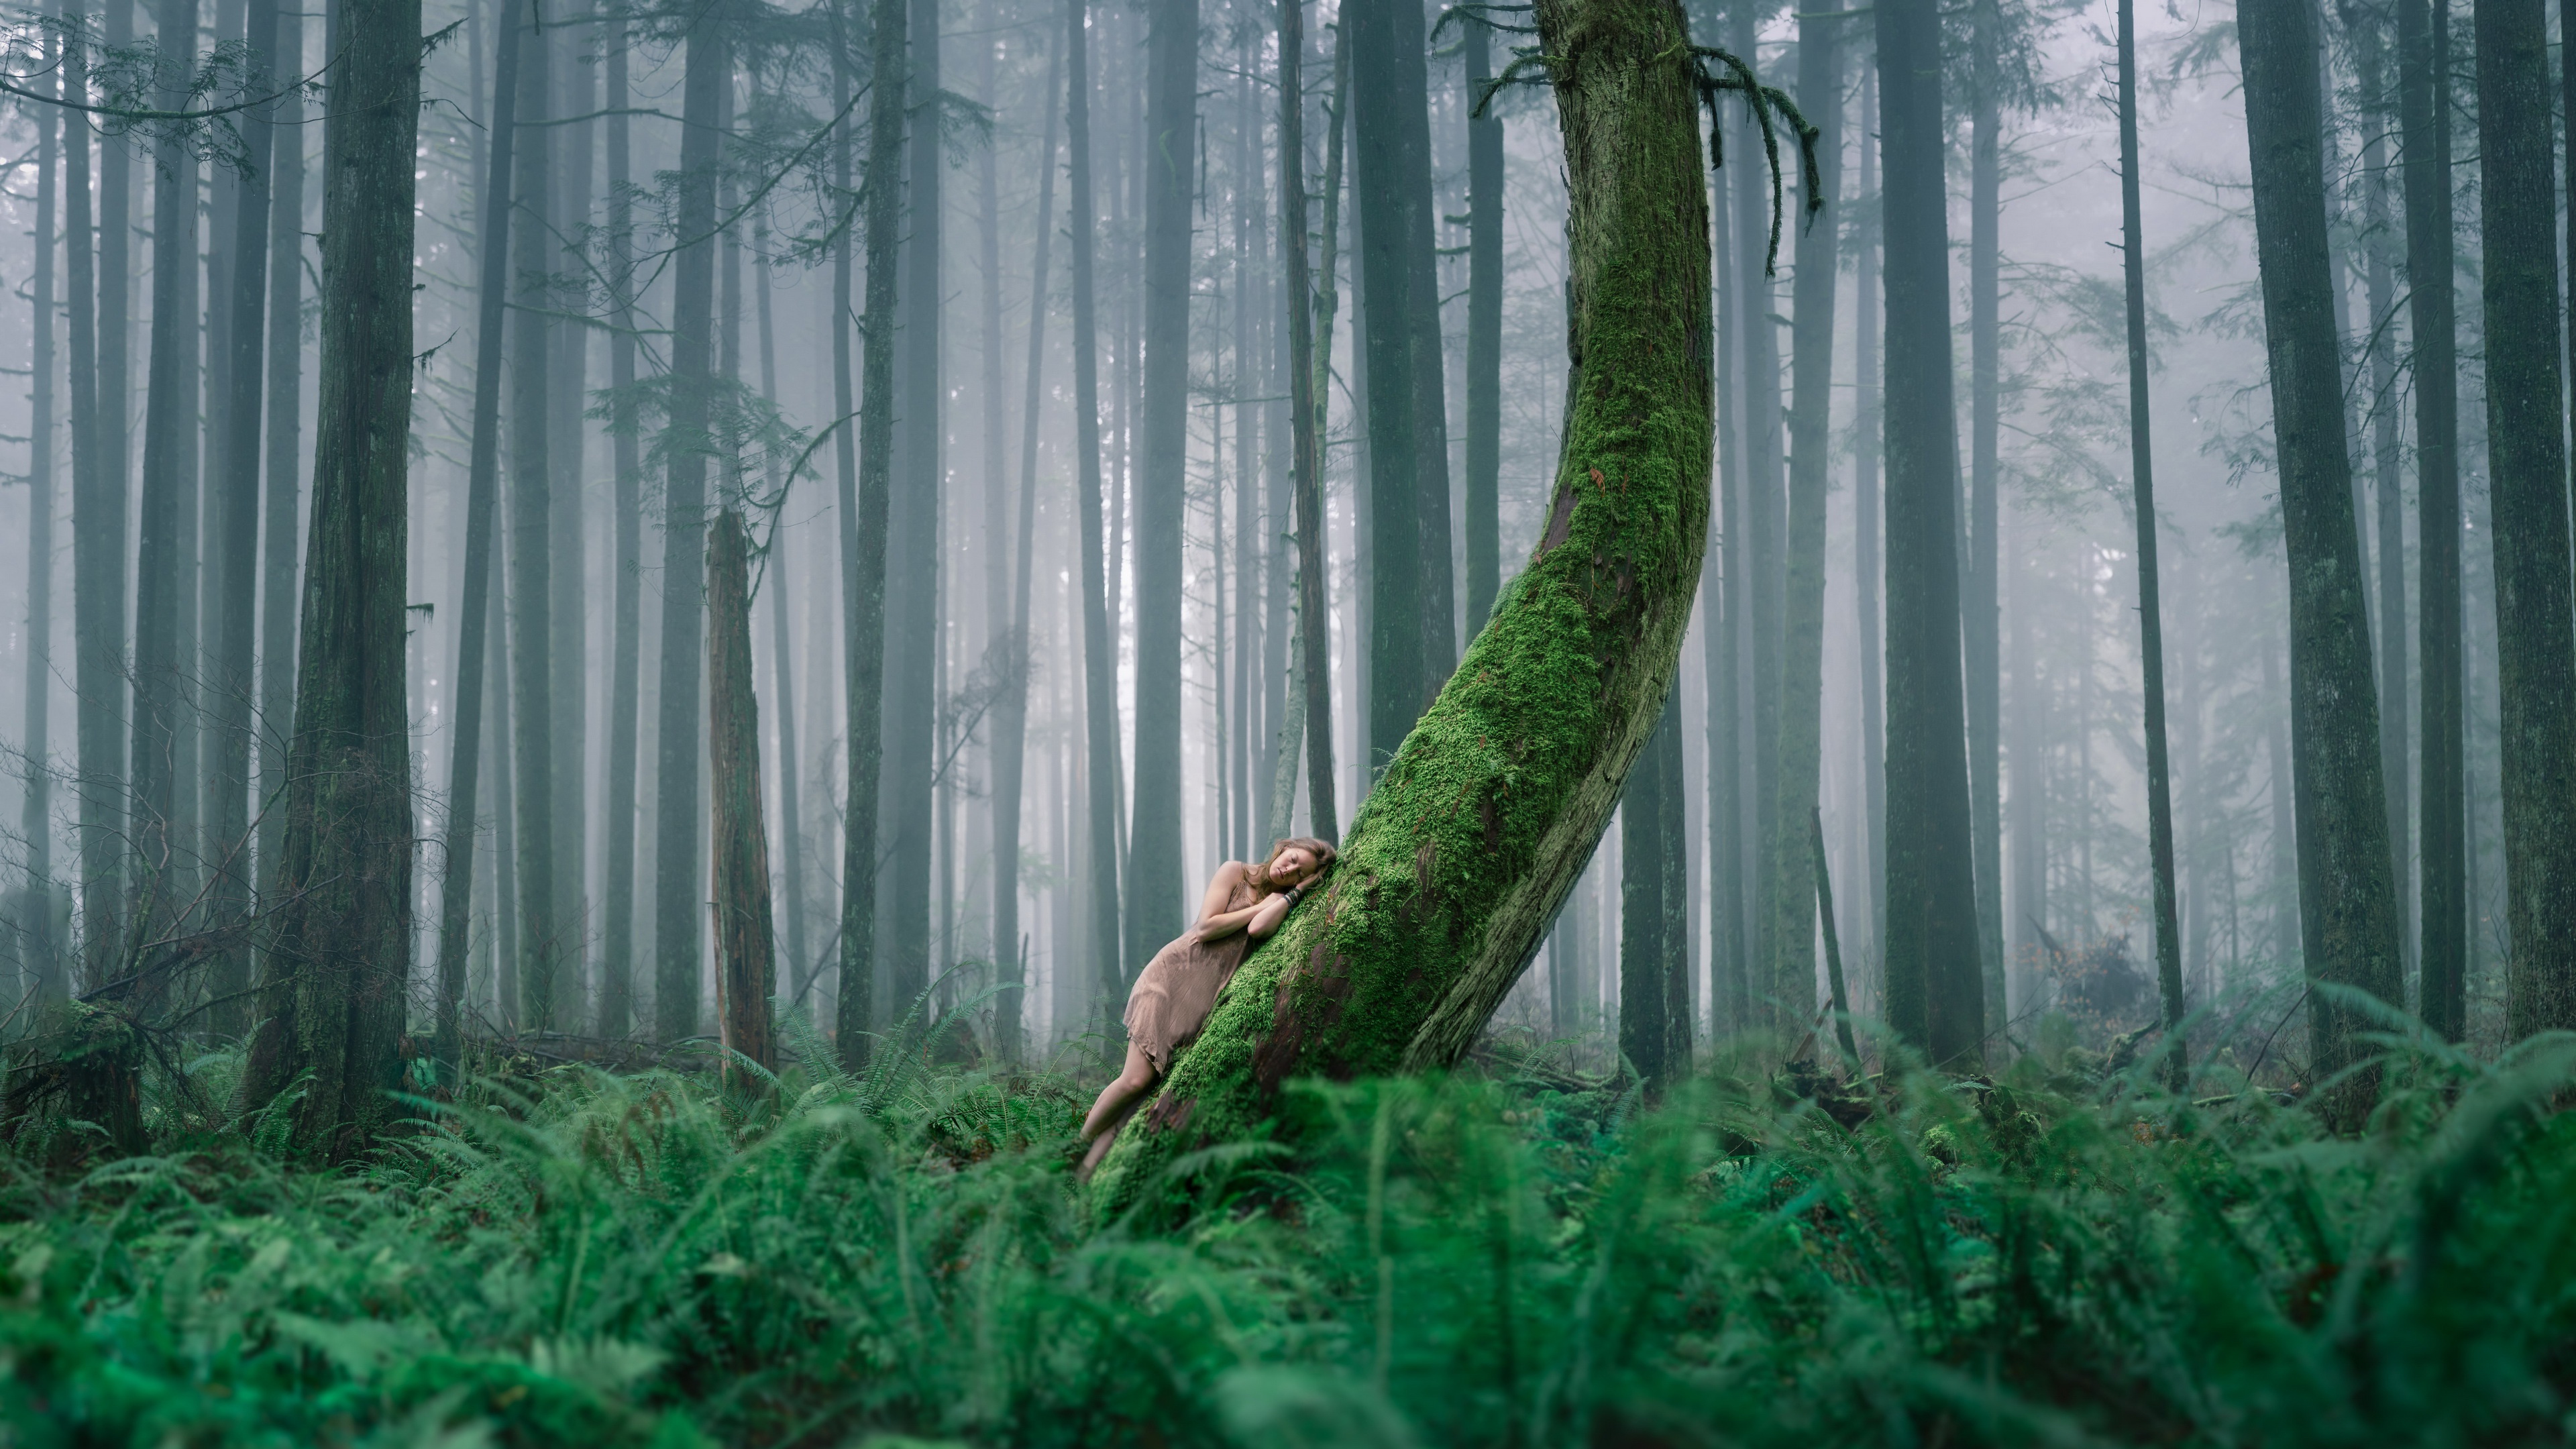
[1483, 819]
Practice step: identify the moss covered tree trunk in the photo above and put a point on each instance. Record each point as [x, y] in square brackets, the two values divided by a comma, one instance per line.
[333, 1013]
[1482, 821]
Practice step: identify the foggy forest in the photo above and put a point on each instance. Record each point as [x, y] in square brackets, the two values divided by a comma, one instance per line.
[797, 722]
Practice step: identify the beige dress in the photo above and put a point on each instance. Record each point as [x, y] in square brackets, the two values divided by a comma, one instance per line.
[1179, 987]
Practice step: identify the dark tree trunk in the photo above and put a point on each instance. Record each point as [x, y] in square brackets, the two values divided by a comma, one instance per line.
[284, 477]
[2535, 646]
[1484, 333]
[2423, 62]
[1433, 913]
[1792, 884]
[111, 781]
[865, 503]
[98, 562]
[473, 630]
[2151, 638]
[37, 944]
[1765, 588]
[165, 556]
[1397, 494]
[746, 953]
[1011, 716]
[1935, 986]
[1099, 659]
[542, 939]
[2348, 907]
[233, 548]
[1868, 514]
[567, 394]
[1306, 389]
[1646, 833]
[334, 999]
[1412, 112]
[677, 921]
[1154, 889]
[2370, 41]
[1980, 616]
[913, 535]
[626, 647]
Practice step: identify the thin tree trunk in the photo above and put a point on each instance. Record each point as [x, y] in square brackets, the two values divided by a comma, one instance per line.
[1309, 383]
[1484, 330]
[542, 938]
[1155, 886]
[1765, 588]
[913, 633]
[112, 780]
[1433, 912]
[2423, 61]
[1430, 424]
[1011, 717]
[1980, 616]
[574, 93]
[284, 476]
[2370, 39]
[2535, 645]
[473, 631]
[791, 827]
[2348, 905]
[1381, 196]
[1792, 885]
[334, 1005]
[864, 540]
[746, 953]
[1868, 513]
[1643, 828]
[2151, 638]
[37, 946]
[165, 556]
[98, 559]
[677, 920]
[617, 958]
[1729, 743]
[1935, 986]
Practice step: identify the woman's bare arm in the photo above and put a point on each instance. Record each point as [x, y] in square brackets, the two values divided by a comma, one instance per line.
[1215, 921]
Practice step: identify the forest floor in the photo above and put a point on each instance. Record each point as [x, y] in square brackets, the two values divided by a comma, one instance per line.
[1511, 1254]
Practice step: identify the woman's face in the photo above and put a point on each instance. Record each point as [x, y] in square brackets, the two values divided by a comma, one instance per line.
[1292, 866]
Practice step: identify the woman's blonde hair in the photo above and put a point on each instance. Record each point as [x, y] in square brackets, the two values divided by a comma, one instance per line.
[1324, 855]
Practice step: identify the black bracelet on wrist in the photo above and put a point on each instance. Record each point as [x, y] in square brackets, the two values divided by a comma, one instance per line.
[1293, 895]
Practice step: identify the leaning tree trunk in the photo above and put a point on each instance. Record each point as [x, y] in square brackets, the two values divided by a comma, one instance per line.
[2347, 904]
[746, 942]
[1481, 822]
[2423, 50]
[334, 999]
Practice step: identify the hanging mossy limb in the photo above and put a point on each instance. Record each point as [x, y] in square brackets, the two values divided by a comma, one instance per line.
[1483, 819]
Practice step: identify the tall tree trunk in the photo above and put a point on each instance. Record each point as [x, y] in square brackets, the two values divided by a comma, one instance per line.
[1484, 330]
[677, 921]
[1438, 590]
[37, 945]
[1381, 196]
[2370, 41]
[1011, 717]
[791, 827]
[913, 535]
[746, 954]
[1765, 572]
[1980, 616]
[1309, 368]
[482, 487]
[2535, 645]
[543, 941]
[2151, 636]
[2424, 115]
[1868, 514]
[284, 476]
[864, 540]
[1099, 661]
[1434, 912]
[574, 93]
[165, 556]
[1647, 832]
[98, 558]
[2348, 907]
[334, 1004]
[626, 647]
[1155, 886]
[1725, 594]
[233, 544]
[1792, 884]
[1935, 985]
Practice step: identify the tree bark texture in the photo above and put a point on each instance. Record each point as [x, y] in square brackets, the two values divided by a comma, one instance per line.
[284, 478]
[913, 535]
[334, 998]
[2424, 119]
[543, 940]
[1484, 819]
[2347, 904]
[37, 943]
[746, 942]
[1380, 196]
[626, 586]
[1484, 331]
[2527, 453]
[98, 566]
[1935, 993]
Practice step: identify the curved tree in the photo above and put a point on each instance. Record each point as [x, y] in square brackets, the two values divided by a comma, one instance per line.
[1483, 819]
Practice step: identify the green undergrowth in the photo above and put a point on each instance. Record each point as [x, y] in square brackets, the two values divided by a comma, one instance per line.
[1513, 1254]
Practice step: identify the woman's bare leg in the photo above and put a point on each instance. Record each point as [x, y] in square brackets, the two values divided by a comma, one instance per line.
[1135, 1079]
